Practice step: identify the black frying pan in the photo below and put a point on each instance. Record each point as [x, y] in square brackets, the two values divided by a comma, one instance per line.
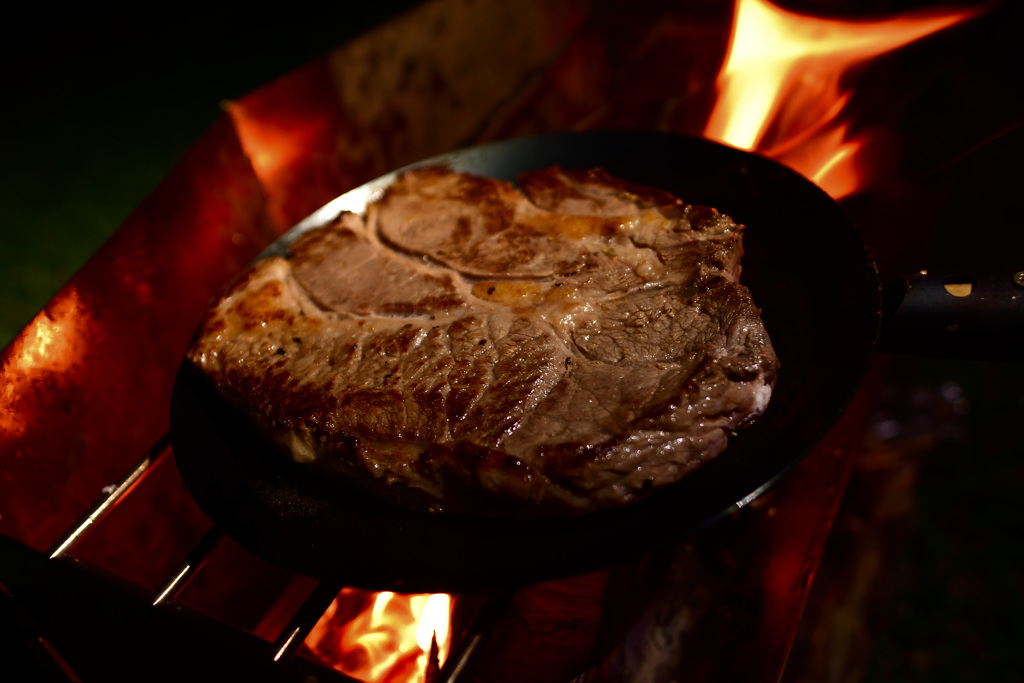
[809, 272]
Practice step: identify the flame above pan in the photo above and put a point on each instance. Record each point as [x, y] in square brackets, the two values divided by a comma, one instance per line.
[786, 84]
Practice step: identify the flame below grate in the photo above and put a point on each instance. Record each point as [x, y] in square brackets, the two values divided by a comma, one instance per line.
[383, 637]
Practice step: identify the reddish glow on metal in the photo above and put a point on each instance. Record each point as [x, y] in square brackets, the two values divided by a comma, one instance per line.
[47, 347]
[86, 385]
[49, 340]
[289, 129]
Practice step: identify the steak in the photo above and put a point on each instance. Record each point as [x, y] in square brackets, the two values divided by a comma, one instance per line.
[568, 345]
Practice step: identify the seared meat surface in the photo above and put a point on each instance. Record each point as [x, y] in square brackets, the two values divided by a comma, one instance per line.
[561, 347]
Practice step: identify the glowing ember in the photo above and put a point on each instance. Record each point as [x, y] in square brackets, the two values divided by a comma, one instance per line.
[781, 91]
[383, 637]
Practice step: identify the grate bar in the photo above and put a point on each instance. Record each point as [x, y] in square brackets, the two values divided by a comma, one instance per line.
[295, 632]
[114, 495]
[193, 562]
[470, 644]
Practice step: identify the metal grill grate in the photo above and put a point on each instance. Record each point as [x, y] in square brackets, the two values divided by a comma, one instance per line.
[292, 635]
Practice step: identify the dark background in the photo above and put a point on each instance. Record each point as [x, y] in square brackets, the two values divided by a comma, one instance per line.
[99, 104]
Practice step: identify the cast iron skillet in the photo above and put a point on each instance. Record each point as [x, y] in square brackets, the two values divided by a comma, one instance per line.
[809, 272]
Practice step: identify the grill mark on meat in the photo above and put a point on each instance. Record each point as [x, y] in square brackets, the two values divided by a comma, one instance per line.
[618, 352]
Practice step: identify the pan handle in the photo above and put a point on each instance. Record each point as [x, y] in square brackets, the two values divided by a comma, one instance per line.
[978, 317]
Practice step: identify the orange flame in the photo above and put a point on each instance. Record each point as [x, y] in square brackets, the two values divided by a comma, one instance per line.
[383, 637]
[781, 90]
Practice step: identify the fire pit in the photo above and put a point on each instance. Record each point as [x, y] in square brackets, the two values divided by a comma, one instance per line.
[87, 383]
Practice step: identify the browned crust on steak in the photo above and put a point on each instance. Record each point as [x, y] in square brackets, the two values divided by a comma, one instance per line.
[468, 345]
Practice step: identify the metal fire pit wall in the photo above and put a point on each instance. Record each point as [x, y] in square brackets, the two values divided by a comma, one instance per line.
[86, 386]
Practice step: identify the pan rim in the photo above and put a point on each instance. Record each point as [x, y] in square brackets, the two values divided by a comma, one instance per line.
[542, 545]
